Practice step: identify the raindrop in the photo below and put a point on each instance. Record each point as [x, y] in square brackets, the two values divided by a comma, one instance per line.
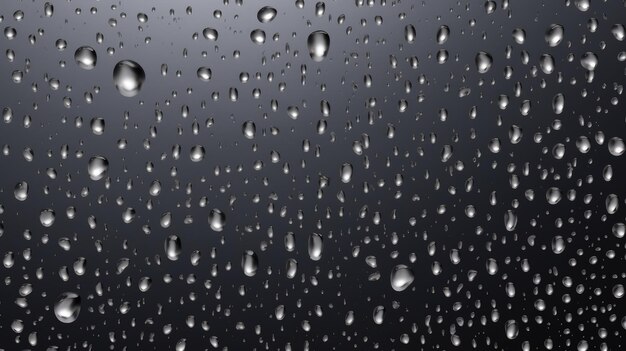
[128, 77]
[85, 57]
[67, 307]
[483, 62]
[401, 277]
[318, 44]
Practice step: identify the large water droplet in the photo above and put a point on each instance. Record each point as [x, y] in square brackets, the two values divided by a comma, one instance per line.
[97, 167]
[217, 220]
[511, 329]
[85, 57]
[318, 44]
[21, 191]
[249, 263]
[401, 277]
[379, 314]
[316, 245]
[249, 129]
[589, 61]
[266, 14]
[173, 247]
[483, 62]
[128, 77]
[257, 36]
[442, 34]
[554, 35]
[67, 307]
[409, 33]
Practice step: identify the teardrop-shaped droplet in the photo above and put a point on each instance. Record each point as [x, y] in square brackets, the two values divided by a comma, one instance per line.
[67, 307]
[217, 220]
[197, 152]
[409, 33]
[291, 268]
[379, 314]
[589, 61]
[249, 129]
[249, 263]
[510, 220]
[173, 247]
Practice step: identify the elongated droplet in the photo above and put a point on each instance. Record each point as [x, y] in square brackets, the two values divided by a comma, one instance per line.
[318, 44]
[266, 14]
[249, 263]
[483, 62]
[316, 245]
[217, 220]
[173, 247]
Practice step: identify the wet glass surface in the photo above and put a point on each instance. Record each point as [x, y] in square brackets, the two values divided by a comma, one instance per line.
[301, 175]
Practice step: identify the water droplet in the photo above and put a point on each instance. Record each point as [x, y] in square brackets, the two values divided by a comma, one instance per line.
[379, 315]
[266, 14]
[442, 34]
[318, 44]
[257, 36]
[249, 263]
[173, 247]
[249, 129]
[128, 77]
[67, 307]
[554, 35]
[210, 34]
[511, 329]
[409, 33]
[196, 154]
[401, 277]
[346, 173]
[589, 61]
[616, 146]
[97, 167]
[483, 62]
[21, 191]
[217, 220]
[204, 73]
[316, 245]
[47, 217]
[85, 57]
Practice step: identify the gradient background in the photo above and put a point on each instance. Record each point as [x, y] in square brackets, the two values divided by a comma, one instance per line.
[358, 47]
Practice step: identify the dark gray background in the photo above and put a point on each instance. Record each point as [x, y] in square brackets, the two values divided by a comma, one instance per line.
[423, 311]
